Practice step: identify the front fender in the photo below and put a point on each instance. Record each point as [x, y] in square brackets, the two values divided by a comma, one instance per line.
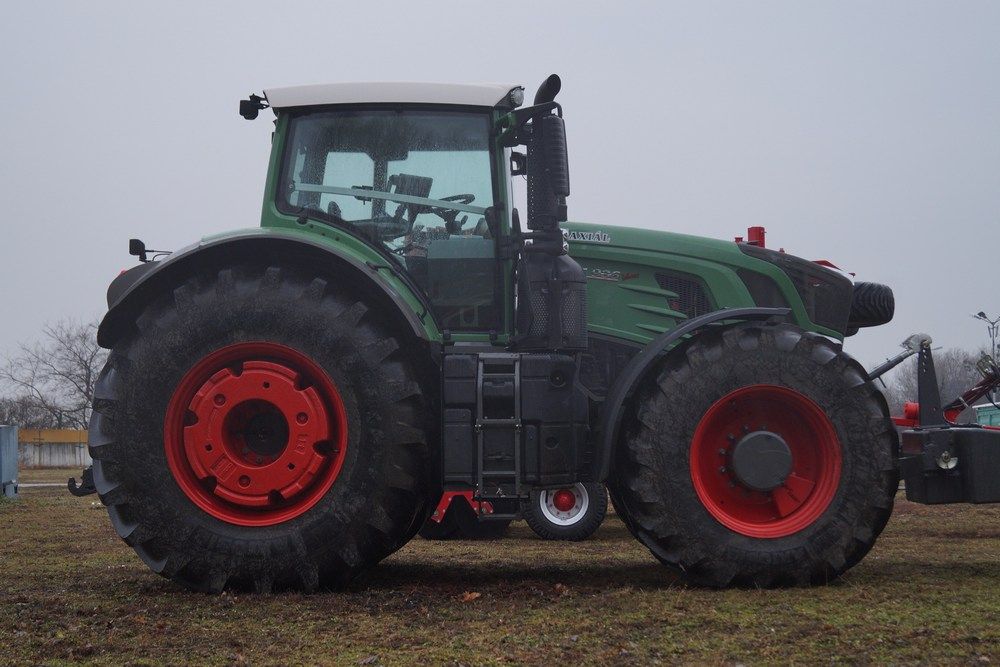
[639, 368]
[132, 290]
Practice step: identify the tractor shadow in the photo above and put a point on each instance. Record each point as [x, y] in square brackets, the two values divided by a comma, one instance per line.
[449, 577]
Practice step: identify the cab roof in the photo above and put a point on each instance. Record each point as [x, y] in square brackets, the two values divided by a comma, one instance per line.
[484, 95]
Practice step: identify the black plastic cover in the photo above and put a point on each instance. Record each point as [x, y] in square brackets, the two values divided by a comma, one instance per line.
[825, 294]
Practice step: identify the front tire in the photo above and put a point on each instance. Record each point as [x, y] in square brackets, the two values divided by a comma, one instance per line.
[760, 456]
[260, 428]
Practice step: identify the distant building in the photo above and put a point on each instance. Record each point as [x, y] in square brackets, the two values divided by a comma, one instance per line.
[987, 414]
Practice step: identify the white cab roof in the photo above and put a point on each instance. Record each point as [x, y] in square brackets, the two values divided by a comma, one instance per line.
[480, 95]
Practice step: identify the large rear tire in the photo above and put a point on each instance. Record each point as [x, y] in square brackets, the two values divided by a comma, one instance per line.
[259, 429]
[760, 456]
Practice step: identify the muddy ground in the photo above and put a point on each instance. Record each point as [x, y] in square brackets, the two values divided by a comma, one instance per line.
[70, 590]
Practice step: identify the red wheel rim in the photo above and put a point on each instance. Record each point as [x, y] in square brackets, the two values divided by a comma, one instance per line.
[255, 433]
[815, 461]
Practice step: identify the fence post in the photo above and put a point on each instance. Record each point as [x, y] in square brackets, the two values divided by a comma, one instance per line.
[8, 461]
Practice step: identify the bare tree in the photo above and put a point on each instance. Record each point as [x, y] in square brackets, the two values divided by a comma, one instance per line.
[57, 375]
[956, 372]
[25, 412]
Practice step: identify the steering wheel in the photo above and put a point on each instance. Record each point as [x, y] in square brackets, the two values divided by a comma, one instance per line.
[450, 215]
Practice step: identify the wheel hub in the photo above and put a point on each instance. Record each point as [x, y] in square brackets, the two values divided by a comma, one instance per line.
[761, 461]
[566, 506]
[244, 424]
[255, 433]
[765, 461]
[564, 500]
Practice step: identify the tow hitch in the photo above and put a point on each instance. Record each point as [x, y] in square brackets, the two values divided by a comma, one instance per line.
[939, 460]
[86, 486]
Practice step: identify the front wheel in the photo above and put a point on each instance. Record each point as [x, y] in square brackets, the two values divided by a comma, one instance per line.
[572, 513]
[761, 456]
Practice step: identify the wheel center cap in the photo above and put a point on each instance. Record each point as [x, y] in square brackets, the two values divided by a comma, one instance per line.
[761, 460]
[564, 500]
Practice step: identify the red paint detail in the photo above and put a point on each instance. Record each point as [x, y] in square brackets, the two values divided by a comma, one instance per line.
[564, 500]
[205, 432]
[816, 461]
[827, 263]
[911, 415]
[755, 236]
[444, 504]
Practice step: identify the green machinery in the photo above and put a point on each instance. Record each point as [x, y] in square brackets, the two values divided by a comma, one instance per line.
[284, 405]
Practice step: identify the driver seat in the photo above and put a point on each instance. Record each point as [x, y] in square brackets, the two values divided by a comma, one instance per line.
[414, 186]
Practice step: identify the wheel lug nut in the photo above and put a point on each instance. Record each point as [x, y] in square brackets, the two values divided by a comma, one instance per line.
[722, 452]
[219, 399]
[244, 481]
[302, 418]
[722, 469]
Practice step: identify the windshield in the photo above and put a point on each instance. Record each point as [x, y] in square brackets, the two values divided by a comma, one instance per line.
[390, 173]
[418, 182]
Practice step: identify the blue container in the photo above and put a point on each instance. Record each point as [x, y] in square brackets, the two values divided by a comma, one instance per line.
[8, 461]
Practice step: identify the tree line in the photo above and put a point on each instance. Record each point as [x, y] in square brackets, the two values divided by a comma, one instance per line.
[50, 383]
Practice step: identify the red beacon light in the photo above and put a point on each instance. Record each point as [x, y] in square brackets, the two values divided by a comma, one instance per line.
[755, 237]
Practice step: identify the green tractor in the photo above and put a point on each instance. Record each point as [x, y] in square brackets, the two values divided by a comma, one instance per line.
[284, 406]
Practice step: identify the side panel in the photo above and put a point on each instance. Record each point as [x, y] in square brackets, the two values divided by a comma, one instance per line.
[642, 283]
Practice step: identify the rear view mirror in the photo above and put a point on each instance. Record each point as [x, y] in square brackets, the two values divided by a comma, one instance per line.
[556, 157]
[137, 248]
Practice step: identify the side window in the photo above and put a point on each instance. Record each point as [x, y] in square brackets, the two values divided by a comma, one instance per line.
[418, 182]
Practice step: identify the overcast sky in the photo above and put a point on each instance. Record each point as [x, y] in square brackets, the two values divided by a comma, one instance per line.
[867, 133]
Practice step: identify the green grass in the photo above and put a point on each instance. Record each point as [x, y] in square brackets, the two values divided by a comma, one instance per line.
[70, 590]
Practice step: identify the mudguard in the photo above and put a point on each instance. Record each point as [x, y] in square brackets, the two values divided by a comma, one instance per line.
[128, 293]
[641, 364]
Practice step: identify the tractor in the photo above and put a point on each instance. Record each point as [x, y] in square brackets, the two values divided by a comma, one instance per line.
[284, 406]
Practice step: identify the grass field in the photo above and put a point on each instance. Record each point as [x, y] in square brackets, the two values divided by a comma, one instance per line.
[70, 590]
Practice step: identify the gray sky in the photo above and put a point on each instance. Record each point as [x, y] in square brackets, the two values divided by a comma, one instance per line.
[862, 132]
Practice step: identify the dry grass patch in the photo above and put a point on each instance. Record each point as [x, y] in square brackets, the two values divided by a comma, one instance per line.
[70, 590]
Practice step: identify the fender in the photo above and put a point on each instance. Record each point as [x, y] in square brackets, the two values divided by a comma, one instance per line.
[128, 293]
[637, 370]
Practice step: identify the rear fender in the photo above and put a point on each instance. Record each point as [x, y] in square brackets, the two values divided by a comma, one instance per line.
[135, 288]
[643, 364]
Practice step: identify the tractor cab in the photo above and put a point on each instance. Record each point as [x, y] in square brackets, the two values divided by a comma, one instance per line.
[416, 172]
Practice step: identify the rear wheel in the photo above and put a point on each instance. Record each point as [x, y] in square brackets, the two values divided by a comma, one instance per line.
[572, 513]
[260, 429]
[760, 456]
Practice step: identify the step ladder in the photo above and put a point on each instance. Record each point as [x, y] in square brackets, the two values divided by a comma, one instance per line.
[498, 430]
